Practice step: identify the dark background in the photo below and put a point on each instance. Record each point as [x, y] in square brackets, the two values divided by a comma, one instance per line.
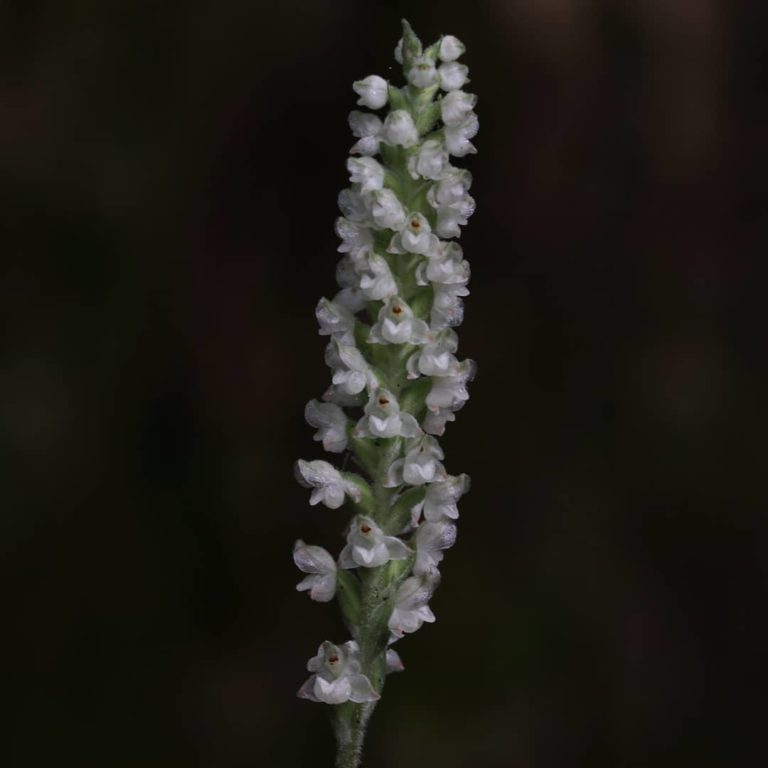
[168, 177]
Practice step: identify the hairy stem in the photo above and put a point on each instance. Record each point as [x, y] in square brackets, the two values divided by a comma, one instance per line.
[351, 722]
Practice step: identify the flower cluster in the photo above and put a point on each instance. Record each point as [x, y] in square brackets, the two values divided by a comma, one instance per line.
[396, 380]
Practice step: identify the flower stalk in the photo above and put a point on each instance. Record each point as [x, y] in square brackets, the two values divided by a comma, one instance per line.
[395, 378]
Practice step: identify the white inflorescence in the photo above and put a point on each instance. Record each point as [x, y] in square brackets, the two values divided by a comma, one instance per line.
[395, 378]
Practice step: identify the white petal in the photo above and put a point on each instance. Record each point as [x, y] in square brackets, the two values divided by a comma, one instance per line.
[312, 559]
[361, 689]
[373, 91]
[335, 692]
[450, 48]
[409, 426]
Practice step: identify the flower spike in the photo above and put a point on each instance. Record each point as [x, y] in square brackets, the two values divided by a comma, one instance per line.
[396, 378]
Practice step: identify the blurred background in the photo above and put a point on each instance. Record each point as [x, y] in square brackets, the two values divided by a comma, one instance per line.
[168, 181]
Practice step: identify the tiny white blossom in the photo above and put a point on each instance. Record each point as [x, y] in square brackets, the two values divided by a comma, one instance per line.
[436, 357]
[430, 161]
[399, 129]
[356, 238]
[331, 423]
[376, 279]
[423, 73]
[383, 418]
[451, 391]
[387, 210]
[421, 464]
[452, 216]
[445, 264]
[337, 677]
[351, 372]
[441, 500]
[397, 325]
[457, 137]
[369, 547]
[415, 237]
[450, 48]
[431, 539]
[352, 298]
[447, 307]
[452, 75]
[399, 51]
[367, 129]
[434, 422]
[411, 609]
[328, 484]
[373, 91]
[453, 186]
[335, 320]
[353, 205]
[456, 106]
[321, 567]
[366, 172]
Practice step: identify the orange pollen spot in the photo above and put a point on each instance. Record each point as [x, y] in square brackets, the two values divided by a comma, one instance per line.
[365, 528]
[396, 310]
[333, 659]
[383, 401]
[415, 223]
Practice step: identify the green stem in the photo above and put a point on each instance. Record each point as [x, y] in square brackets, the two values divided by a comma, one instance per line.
[350, 733]
[350, 719]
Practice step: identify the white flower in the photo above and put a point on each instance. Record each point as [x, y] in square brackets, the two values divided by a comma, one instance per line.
[456, 106]
[400, 130]
[415, 237]
[321, 568]
[387, 210]
[328, 484]
[431, 539]
[423, 73]
[445, 264]
[372, 90]
[411, 609]
[351, 372]
[352, 298]
[447, 308]
[451, 391]
[367, 128]
[353, 205]
[440, 500]
[397, 325]
[346, 273]
[335, 320]
[453, 186]
[356, 238]
[454, 215]
[436, 357]
[421, 464]
[450, 48]
[452, 75]
[376, 279]
[369, 547]
[383, 418]
[434, 422]
[331, 423]
[457, 137]
[337, 677]
[366, 172]
[430, 161]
